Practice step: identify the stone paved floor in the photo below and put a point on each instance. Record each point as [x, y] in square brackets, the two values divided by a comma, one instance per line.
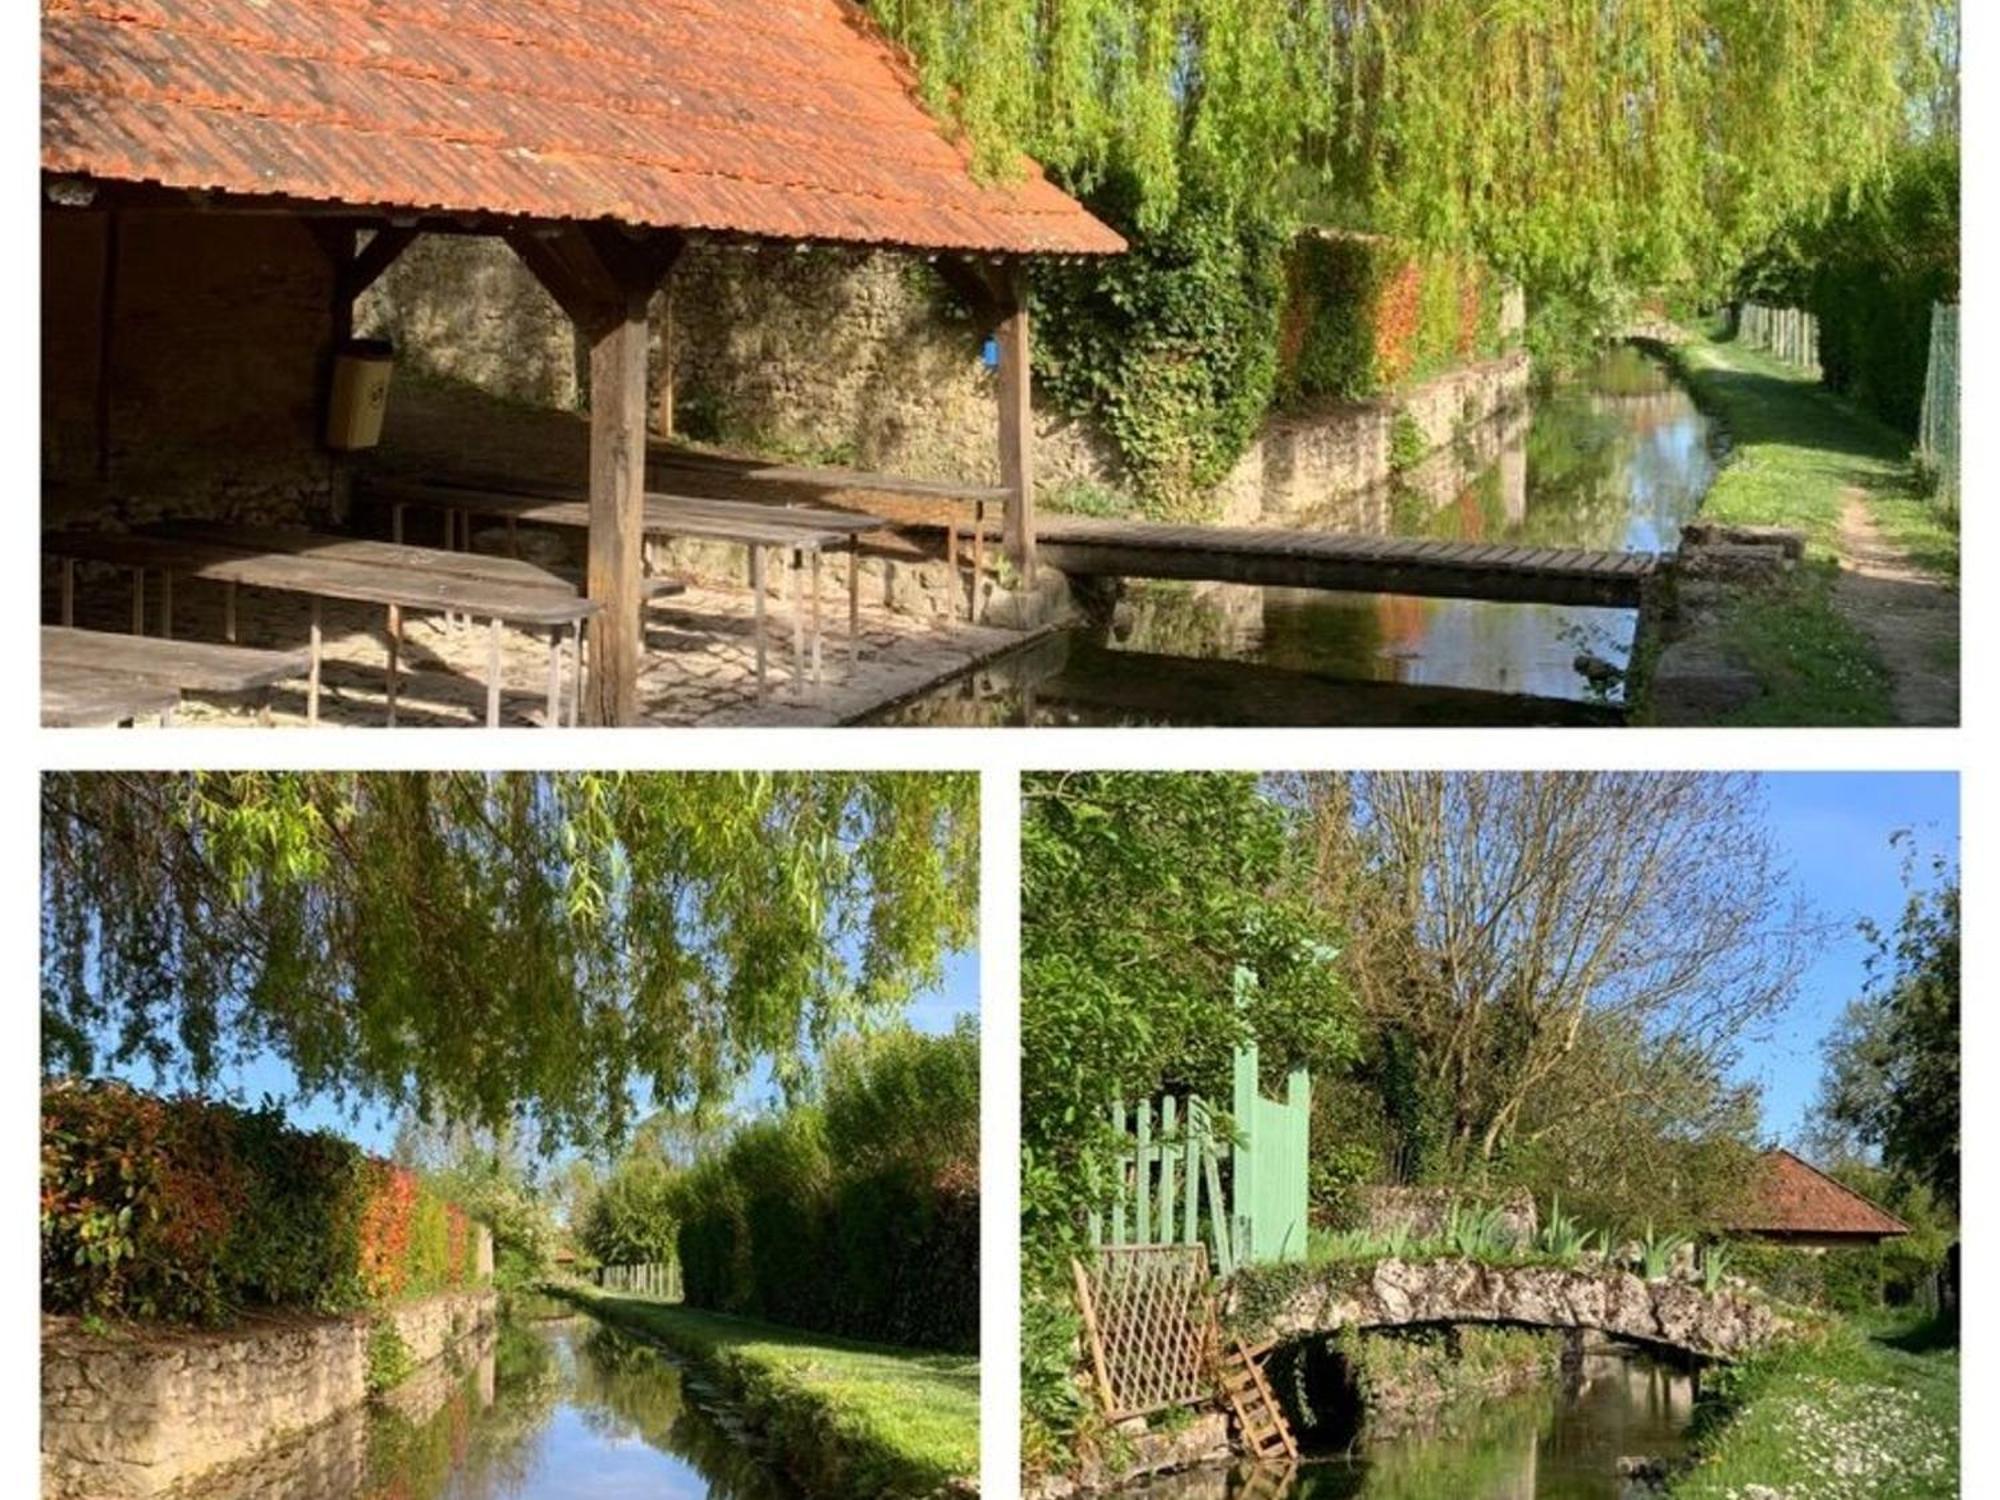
[699, 667]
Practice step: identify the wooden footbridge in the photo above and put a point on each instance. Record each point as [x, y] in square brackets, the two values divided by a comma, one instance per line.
[1276, 558]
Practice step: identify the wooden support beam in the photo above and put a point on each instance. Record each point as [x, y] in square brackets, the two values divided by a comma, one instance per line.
[605, 279]
[381, 252]
[1017, 420]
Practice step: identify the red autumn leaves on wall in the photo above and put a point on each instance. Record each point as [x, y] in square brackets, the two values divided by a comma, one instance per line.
[184, 1209]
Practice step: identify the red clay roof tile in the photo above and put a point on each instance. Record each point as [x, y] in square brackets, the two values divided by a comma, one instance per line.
[1797, 1198]
[791, 119]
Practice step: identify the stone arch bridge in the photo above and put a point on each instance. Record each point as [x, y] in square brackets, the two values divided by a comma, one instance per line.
[1284, 1302]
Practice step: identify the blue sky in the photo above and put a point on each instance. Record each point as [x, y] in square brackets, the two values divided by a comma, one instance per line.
[1835, 827]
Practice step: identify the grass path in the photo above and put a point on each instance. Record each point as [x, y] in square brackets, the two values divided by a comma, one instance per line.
[1848, 1417]
[1867, 633]
[844, 1418]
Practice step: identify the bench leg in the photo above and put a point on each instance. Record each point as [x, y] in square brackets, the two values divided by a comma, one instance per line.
[817, 676]
[552, 711]
[757, 611]
[493, 674]
[138, 601]
[312, 670]
[229, 611]
[69, 591]
[853, 605]
[166, 604]
[798, 624]
[395, 658]
[575, 673]
[978, 559]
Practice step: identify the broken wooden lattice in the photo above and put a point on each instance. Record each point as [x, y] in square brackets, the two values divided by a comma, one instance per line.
[1150, 1325]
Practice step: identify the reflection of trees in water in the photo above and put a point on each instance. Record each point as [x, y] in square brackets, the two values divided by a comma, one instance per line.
[482, 1447]
[624, 1388]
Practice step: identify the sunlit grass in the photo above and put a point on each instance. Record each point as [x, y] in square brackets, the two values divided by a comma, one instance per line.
[1844, 1417]
[881, 1420]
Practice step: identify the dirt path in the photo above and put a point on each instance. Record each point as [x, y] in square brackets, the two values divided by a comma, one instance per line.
[1910, 616]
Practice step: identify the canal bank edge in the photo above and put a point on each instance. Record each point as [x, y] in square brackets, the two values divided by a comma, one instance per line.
[131, 1417]
[806, 1434]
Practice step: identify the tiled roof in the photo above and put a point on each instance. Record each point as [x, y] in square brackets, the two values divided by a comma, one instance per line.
[791, 119]
[1797, 1198]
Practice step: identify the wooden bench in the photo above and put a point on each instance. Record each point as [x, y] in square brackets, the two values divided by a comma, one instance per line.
[77, 698]
[805, 533]
[325, 567]
[75, 660]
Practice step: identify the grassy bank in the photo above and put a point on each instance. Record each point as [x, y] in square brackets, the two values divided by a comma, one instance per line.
[1841, 1417]
[843, 1418]
[1798, 455]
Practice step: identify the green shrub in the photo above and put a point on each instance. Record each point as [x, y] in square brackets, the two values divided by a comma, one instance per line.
[187, 1210]
[389, 1361]
[858, 1215]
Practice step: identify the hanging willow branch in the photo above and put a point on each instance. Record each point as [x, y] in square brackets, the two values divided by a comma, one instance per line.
[488, 947]
[1572, 142]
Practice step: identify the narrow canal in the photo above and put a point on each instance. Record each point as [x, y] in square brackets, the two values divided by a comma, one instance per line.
[1539, 1446]
[561, 1408]
[1617, 458]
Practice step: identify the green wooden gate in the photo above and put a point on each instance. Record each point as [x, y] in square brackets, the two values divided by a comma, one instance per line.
[1170, 1179]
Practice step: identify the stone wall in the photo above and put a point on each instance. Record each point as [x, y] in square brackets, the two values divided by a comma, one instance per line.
[205, 392]
[134, 1416]
[1424, 1213]
[865, 360]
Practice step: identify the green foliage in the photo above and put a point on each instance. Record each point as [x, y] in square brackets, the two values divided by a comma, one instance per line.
[389, 1361]
[1869, 270]
[858, 1215]
[1716, 1261]
[630, 1219]
[1142, 896]
[1478, 1233]
[1406, 443]
[191, 1211]
[1563, 1237]
[1170, 347]
[1893, 1064]
[376, 930]
[1658, 1251]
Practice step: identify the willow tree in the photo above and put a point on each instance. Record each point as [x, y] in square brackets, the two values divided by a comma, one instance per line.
[489, 949]
[1571, 142]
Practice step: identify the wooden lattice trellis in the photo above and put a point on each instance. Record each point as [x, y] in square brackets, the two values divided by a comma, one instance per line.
[1150, 1324]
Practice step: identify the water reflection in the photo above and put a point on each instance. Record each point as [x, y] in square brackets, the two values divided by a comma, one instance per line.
[563, 1409]
[1617, 460]
[1543, 1446]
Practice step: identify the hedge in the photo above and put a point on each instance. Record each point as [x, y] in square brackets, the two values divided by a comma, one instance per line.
[1364, 314]
[187, 1210]
[880, 1245]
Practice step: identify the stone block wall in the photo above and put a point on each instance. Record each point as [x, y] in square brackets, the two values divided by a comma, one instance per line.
[130, 1417]
[864, 360]
[185, 359]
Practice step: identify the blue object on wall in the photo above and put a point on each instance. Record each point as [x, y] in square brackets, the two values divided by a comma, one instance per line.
[989, 354]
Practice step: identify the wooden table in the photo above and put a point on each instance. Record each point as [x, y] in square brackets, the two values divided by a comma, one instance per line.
[329, 567]
[75, 660]
[834, 481]
[804, 532]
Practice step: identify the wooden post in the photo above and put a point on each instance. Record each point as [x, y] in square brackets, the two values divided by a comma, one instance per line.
[1017, 424]
[617, 514]
[604, 279]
